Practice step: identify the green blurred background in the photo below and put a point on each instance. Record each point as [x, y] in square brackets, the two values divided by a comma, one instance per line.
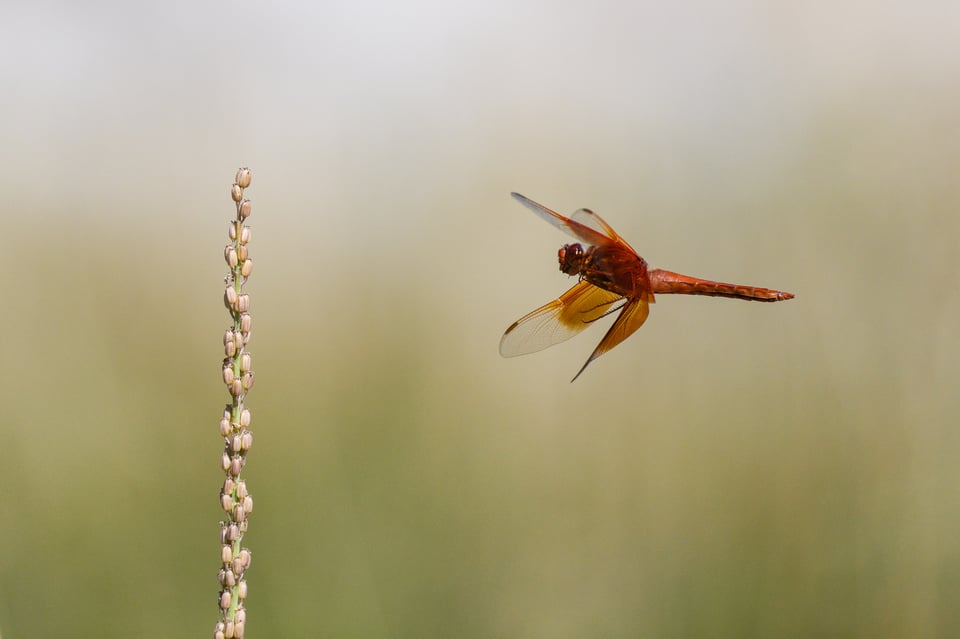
[732, 470]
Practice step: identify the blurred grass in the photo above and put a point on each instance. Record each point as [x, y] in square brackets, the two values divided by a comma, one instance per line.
[733, 470]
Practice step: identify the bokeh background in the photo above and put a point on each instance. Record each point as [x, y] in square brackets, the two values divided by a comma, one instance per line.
[732, 470]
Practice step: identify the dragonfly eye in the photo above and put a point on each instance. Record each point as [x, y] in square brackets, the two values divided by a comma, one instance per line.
[571, 258]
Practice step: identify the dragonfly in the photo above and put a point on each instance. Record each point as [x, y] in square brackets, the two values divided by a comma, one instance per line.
[612, 277]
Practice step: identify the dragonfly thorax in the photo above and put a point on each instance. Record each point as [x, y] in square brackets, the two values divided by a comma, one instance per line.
[608, 267]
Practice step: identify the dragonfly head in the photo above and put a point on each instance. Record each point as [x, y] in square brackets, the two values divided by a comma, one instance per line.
[571, 258]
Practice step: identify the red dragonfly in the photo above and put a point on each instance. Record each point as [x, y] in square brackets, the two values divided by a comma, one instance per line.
[612, 278]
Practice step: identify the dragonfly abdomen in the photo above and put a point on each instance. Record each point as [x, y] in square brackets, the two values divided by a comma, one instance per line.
[668, 282]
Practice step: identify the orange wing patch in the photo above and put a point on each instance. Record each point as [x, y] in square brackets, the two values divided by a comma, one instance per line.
[632, 317]
[559, 320]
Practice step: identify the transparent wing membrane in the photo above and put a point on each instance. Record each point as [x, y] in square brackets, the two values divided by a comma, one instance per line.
[586, 229]
[558, 320]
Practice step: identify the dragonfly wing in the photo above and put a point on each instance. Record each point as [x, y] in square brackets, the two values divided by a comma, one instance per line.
[593, 221]
[592, 235]
[558, 320]
[632, 317]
